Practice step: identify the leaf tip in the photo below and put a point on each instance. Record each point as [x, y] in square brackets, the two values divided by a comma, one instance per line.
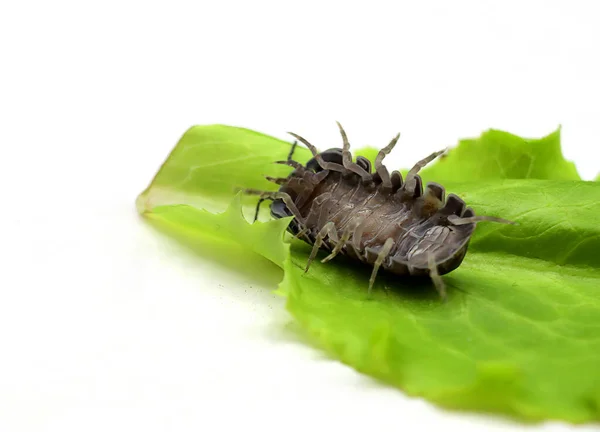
[142, 204]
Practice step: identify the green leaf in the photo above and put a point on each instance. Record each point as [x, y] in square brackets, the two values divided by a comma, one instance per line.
[529, 309]
[519, 333]
[262, 238]
[210, 163]
[501, 155]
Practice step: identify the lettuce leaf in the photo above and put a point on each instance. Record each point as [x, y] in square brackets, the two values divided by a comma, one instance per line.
[502, 155]
[518, 335]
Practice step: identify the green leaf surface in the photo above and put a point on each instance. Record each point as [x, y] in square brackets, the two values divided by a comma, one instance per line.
[260, 238]
[502, 155]
[519, 334]
[210, 163]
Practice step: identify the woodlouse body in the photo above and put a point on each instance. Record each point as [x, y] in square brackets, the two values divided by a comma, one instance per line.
[380, 219]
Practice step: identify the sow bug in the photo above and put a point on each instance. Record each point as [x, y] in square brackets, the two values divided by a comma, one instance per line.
[377, 218]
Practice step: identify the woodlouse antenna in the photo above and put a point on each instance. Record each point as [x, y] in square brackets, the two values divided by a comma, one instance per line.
[380, 168]
[456, 220]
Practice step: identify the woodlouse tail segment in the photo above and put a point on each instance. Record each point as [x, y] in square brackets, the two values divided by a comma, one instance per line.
[380, 168]
[456, 220]
[383, 253]
[347, 158]
[437, 280]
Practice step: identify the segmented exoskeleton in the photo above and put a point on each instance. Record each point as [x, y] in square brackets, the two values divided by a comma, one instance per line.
[377, 218]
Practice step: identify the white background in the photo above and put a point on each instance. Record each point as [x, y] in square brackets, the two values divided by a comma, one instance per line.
[106, 325]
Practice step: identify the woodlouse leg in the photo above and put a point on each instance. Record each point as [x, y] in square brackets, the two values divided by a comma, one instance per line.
[410, 177]
[359, 230]
[301, 233]
[322, 163]
[260, 201]
[338, 247]
[311, 147]
[327, 230]
[292, 163]
[316, 210]
[437, 280]
[277, 180]
[456, 220]
[315, 179]
[292, 150]
[380, 168]
[289, 203]
[314, 216]
[383, 253]
[278, 195]
[347, 158]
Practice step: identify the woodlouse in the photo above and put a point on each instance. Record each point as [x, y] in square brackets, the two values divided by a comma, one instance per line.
[377, 218]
